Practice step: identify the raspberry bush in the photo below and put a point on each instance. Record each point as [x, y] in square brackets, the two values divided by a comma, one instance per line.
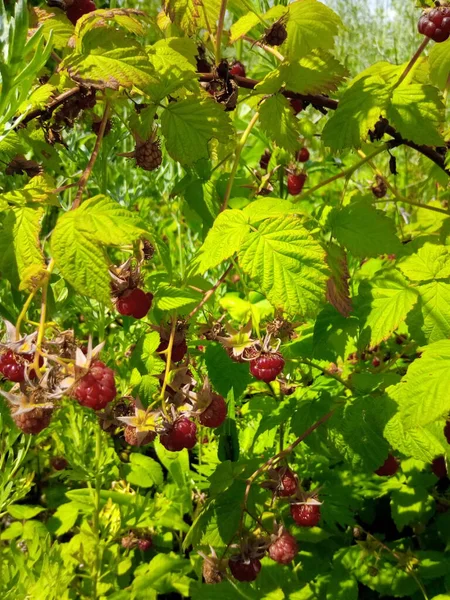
[224, 300]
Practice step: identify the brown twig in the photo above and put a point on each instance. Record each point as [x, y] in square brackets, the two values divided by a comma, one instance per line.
[87, 172]
[50, 108]
[207, 295]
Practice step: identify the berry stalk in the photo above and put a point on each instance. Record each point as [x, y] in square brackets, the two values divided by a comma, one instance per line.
[168, 363]
[223, 10]
[412, 62]
[207, 295]
[43, 317]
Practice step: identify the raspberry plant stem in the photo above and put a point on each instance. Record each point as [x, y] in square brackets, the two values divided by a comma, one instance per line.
[23, 312]
[43, 317]
[87, 172]
[168, 364]
[269, 49]
[223, 10]
[314, 365]
[412, 62]
[412, 203]
[237, 156]
[207, 295]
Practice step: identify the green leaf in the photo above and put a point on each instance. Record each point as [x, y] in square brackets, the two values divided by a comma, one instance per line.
[342, 586]
[37, 189]
[410, 505]
[287, 263]
[439, 63]
[54, 23]
[416, 442]
[184, 13]
[144, 471]
[64, 518]
[417, 111]
[109, 58]
[278, 121]
[243, 26]
[364, 230]
[310, 25]
[24, 511]
[188, 125]
[338, 292]
[224, 239]
[266, 208]
[434, 323]
[224, 373]
[385, 304]
[430, 261]
[422, 394]
[171, 298]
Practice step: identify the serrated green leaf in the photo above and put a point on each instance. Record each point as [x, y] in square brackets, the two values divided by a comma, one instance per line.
[385, 304]
[223, 240]
[430, 261]
[188, 125]
[417, 111]
[38, 98]
[144, 471]
[435, 311]
[287, 263]
[278, 121]
[224, 373]
[243, 25]
[266, 208]
[310, 25]
[417, 442]
[364, 230]
[184, 13]
[24, 511]
[171, 298]
[439, 62]
[54, 22]
[109, 58]
[131, 19]
[410, 505]
[37, 189]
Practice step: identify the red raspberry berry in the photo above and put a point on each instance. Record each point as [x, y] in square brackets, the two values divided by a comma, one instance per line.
[135, 303]
[435, 23]
[389, 467]
[182, 434]
[237, 68]
[79, 8]
[267, 367]
[216, 412]
[58, 463]
[288, 482]
[244, 569]
[295, 183]
[178, 350]
[439, 467]
[303, 155]
[96, 388]
[11, 368]
[376, 362]
[265, 159]
[447, 431]
[144, 544]
[306, 515]
[284, 549]
[34, 421]
[297, 105]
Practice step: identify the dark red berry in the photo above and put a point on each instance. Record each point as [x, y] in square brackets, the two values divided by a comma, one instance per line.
[376, 362]
[58, 463]
[135, 303]
[306, 515]
[33, 421]
[435, 23]
[284, 549]
[216, 412]
[267, 367]
[288, 482]
[182, 434]
[297, 105]
[303, 155]
[389, 467]
[79, 8]
[265, 159]
[144, 544]
[439, 467]
[295, 183]
[178, 350]
[12, 365]
[237, 68]
[96, 388]
[447, 431]
[244, 569]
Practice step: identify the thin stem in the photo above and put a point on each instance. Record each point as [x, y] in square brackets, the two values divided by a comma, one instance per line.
[412, 203]
[50, 108]
[207, 295]
[377, 171]
[412, 62]
[346, 173]
[269, 49]
[43, 317]
[223, 10]
[98, 450]
[84, 178]
[237, 156]
[305, 361]
[23, 312]
[168, 363]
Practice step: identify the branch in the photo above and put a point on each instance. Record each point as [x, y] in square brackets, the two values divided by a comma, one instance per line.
[50, 108]
[208, 294]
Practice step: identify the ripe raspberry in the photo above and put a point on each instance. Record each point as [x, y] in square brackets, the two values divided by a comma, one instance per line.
[79, 8]
[288, 482]
[275, 35]
[131, 437]
[148, 155]
[265, 159]
[237, 68]
[297, 105]
[34, 421]
[244, 569]
[178, 350]
[145, 544]
[267, 367]
[306, 515]
[58, 463]
[447, 431]
[389, 467]
[11, 368]
[96, 388]
[295, 183]
[303, 155]
[182, 434]
[439, 467]
[135, 303]
[284, 549]
[435, 23]
[216, 412]
[376, 362]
